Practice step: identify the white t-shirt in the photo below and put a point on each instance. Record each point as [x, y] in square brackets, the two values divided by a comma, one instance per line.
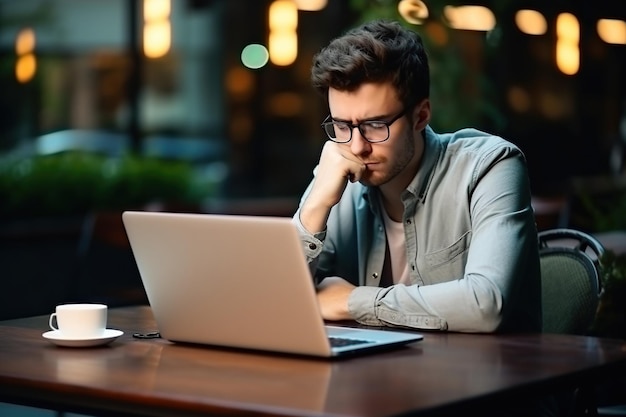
[397, 250]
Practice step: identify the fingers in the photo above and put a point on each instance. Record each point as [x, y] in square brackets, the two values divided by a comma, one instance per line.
[357, 171]
[339, 163]
[351, 164]
[332, 296]
[336, 167]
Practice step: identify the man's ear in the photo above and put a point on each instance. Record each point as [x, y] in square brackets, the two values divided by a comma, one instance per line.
[421, 115]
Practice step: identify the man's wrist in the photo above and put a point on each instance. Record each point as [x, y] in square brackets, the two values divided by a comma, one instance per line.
[313, 217]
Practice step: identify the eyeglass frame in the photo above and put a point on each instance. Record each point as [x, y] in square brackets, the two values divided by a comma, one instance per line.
[388, 123]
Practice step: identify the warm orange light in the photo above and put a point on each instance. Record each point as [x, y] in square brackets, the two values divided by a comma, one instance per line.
[478, 18]
[25, 42]
[239, 82]
[283, 15]
[436, 32]
[567, 58]
[157, 39]
[567, 27]
[612, 31]
[311, 5]
[25, 68]
[413, 11]
[157, 29]
[283, 48]
[156, 10]
[285, 104]
[26, 65]
[567, 49]
[283, 38]
[531, 22]
[519, 99]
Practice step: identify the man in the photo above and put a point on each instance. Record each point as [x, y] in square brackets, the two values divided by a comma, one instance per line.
[405, 227]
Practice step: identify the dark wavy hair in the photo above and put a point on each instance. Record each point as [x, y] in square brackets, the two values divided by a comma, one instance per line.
[377, 51]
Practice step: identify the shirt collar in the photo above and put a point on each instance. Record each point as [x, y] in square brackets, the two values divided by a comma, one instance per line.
[420, 184]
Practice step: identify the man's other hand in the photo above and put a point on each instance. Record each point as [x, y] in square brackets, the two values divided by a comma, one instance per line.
[332, 296]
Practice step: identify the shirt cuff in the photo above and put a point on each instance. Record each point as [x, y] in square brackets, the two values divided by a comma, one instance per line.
[312, 244]
[362, 304]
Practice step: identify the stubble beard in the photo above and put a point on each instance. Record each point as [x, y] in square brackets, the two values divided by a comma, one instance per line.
[402, 160]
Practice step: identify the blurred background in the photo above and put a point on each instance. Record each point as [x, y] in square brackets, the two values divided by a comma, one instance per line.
[205, 106]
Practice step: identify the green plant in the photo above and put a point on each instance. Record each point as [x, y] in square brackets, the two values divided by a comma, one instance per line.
[462, 95]
[610, 320]
[604, 212]
[74, 183]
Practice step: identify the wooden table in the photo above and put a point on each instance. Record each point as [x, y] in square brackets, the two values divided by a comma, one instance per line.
[443, 374]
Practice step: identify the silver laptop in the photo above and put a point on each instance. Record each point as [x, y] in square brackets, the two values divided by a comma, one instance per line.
[239, 282]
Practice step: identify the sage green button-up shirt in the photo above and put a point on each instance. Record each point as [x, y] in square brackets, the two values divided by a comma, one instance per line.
[471, 242]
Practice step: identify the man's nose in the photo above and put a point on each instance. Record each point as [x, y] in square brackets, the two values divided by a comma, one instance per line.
[358, 144]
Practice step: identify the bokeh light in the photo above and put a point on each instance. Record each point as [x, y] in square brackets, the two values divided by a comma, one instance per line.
[254, 56]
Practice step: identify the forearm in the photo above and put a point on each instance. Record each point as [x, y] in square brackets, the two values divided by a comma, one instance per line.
[412, 306]
[337, 166]
[313, 216]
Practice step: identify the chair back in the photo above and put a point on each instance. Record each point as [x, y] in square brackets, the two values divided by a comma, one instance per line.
[570, 280]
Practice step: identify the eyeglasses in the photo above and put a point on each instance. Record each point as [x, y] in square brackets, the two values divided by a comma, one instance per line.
[373, 131]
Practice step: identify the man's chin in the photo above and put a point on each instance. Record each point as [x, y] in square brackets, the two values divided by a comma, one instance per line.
[371, 181]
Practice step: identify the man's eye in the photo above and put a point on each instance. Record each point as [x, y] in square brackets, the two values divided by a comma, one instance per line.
[342, 127]
[374, 125]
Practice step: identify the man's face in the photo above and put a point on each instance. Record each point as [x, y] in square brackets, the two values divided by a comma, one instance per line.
[395, 159]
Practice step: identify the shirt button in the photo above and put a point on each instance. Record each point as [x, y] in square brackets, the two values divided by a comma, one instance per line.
[375, 275]
[413, 267]
[312, 246]
[408, 221]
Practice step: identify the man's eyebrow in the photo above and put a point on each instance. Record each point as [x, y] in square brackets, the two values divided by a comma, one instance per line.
[367, 119]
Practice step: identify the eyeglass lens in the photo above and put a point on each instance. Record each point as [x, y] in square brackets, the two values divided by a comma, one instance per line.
[371, 131]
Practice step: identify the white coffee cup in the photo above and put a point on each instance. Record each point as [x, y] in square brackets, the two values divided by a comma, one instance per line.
[79, 321]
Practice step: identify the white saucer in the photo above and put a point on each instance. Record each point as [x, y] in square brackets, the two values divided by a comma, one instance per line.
[58, 339]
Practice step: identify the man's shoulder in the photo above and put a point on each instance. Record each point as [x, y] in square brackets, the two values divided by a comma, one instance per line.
[475, 141]
[474, 138]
